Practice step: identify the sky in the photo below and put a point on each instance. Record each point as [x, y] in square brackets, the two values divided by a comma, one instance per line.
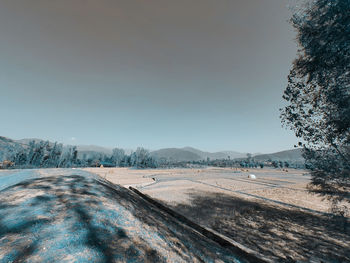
[158, 73]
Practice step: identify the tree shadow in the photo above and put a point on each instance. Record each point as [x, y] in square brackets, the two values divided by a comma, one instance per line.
[87, 219]
[282, 234]
[48, 218]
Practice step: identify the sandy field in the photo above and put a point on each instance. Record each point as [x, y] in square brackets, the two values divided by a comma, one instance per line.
[176, 185]
[273, 214]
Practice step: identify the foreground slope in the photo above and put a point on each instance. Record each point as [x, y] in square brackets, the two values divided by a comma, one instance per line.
[63, 215]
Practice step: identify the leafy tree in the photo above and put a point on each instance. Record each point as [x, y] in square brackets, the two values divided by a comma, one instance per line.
[142, 159]
[30, 155]
[286, 164]
[249, 157]
[38, 154]
[280, 164]
[69, 158]
[318, 94]
[19, 158]
[55, 154]
[118, 156]
[274, 164]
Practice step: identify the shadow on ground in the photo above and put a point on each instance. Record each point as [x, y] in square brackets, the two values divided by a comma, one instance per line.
[279, 233]
[86, 219]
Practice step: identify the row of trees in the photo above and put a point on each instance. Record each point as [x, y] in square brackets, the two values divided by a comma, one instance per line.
[45, 154]
[243, 163]
[141, 158]
[53, 155]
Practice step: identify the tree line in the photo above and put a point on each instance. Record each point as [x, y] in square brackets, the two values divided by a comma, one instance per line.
[44, 154]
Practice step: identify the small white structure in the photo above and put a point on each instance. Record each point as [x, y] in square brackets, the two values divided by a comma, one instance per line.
[251, 176]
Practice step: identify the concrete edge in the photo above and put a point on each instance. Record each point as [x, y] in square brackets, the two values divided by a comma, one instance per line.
[239, 249]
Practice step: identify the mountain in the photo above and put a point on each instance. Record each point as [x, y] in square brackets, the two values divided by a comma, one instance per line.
[94, 148]
[215, 155]
[288, 155]
[7, 142]
[91, 151]
[175, 154]
[192, 154]
[26, 141]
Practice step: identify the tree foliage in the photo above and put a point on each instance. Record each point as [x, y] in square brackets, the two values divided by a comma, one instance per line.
[318, 94]
[44, 154]
[118, 156]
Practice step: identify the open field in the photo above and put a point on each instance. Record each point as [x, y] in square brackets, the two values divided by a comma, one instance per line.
[177, 185]
[273, 214]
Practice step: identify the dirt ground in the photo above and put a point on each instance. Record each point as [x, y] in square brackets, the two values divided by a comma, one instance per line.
[273, 214]
[175, 185]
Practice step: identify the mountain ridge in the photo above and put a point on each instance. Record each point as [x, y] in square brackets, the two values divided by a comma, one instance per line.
[293, 154]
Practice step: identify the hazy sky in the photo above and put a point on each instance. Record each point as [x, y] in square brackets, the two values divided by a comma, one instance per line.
[154, 73]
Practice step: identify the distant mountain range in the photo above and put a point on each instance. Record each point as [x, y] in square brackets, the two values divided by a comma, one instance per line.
[8, 145]
[91, 150]
[94, 148]
[175, 154]
[192, 154]
[288, 155]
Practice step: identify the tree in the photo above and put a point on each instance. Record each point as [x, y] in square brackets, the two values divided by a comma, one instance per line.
[118, 156]
[280, 164]
[274, 164]
[30, 155]
[38, 154]
[318, 94]
[286, 164]
[55, 154]
[69, 157]
[249, 157]
[141, 158]
[19, 158]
